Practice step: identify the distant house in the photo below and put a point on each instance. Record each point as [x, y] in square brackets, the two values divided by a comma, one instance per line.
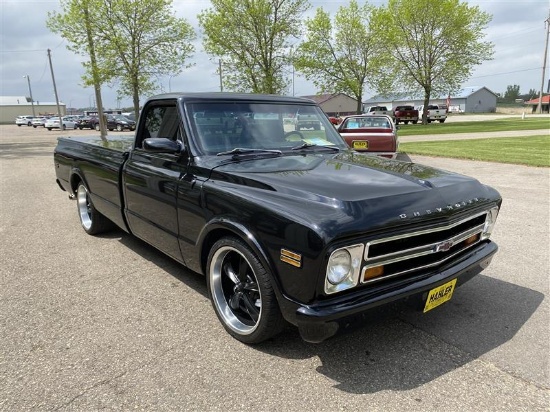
[472, 99]
[13, 106]
[535, 104]
[335, 104]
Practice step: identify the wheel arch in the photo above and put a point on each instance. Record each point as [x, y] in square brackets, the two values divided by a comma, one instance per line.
[218, 229]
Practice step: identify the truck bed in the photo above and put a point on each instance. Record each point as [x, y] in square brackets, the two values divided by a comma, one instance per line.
[100, 163]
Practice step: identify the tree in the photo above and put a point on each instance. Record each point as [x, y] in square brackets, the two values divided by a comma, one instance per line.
[75, 25]
[512, 92]
[532, 93]
[252, 39]
[430, 46]
[337, 56]
[131, 47]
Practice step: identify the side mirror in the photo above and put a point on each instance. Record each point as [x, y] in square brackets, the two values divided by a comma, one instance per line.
[162, 145]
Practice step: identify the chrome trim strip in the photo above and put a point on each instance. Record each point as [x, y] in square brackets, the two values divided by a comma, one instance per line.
[420, 232]
[378, 279]
[424, 249]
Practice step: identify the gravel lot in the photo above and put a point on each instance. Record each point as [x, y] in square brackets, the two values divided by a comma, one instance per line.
[107, 322]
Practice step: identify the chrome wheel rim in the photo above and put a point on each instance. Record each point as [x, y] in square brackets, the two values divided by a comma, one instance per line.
[84, 207]
[235, 290]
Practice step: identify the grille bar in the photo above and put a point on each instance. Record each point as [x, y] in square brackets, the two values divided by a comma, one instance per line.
[422, 249]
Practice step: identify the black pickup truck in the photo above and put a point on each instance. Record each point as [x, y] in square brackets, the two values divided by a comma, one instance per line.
[286, 225]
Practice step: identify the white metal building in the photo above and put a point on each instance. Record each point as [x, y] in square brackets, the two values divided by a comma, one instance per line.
[13, 106]
[472, 99]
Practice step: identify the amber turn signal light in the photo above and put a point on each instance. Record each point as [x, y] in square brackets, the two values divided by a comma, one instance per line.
[373, 272]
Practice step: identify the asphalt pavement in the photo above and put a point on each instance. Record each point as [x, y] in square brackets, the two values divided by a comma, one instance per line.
[107, 322]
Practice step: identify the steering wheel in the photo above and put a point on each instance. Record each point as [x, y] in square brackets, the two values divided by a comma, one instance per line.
[288, 134]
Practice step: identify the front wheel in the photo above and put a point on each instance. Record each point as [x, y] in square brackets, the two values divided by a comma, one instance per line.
[241, 292]
[119, 128]
[97, 127]
[91, 220]
[442, 121]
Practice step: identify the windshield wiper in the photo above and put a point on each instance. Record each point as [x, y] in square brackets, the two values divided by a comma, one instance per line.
[307, 145]
[242, 151]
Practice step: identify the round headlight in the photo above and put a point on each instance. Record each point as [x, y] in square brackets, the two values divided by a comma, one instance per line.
[339, 266]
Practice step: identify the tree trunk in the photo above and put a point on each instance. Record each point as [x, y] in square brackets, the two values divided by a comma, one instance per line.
[426, 103]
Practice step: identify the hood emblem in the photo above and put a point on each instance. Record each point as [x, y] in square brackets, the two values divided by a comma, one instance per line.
[440, 209]
[443, 246]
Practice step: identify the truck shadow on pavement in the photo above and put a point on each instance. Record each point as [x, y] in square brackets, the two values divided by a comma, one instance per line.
[395, 347]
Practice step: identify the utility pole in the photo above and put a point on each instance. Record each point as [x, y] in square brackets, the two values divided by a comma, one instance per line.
[547, 25]
[55, 91]
[30, 92]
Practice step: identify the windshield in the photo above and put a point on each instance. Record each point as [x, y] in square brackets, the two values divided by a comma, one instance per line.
[222, 127]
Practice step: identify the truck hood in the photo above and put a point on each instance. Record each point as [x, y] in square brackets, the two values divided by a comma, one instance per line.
[359, 191]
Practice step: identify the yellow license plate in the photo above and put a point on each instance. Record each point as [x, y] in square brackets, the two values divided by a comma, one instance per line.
[439, 295]
[360, 144]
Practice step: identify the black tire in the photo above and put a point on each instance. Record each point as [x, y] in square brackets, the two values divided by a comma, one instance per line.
[50, 129]
[415, 121]
[429, 121]
[241, 292]
[80, 127]
[119, 128]
[64, 127]
[442, 121]
[34, 126]
[91, 220]
[97, 126]
[29, 124]
[18, 125]
[406, 122]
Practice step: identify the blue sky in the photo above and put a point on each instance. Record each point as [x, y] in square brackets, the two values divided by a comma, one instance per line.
[517, 31]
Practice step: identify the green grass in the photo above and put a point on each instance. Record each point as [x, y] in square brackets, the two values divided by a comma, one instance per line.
[530, 151]
[500, 125]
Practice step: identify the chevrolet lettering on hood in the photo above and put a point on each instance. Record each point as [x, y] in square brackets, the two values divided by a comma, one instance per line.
[439, 209]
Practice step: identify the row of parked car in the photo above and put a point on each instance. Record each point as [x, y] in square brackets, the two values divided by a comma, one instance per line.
[114, 122]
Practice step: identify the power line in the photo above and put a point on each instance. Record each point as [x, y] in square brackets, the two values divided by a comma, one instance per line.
[498, 74]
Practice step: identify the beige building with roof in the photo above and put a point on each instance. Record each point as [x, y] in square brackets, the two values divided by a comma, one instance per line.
[13, 106]
[335, 104]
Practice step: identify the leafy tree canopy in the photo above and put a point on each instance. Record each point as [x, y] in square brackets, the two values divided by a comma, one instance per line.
[135, 42]
[252, 37]
[337, 56]
[431, 46]
[512, 92]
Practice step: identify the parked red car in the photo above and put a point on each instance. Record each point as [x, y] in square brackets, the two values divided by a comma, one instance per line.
[370, 133]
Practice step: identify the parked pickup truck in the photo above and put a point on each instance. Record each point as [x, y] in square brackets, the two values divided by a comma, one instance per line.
[286, 225]
[405, 114]
[434, 113]
[377, 110]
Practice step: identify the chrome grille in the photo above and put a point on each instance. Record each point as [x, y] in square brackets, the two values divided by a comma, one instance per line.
[421, 249]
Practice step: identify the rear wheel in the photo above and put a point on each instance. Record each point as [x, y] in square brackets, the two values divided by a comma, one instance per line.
[91, 220]
[97, 127]
[241, 292]
[442, 121]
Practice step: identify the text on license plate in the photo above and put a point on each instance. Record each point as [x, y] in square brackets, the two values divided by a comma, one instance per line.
[360, 144]
[439, 295]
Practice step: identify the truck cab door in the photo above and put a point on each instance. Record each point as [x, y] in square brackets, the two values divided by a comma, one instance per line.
[150, 180]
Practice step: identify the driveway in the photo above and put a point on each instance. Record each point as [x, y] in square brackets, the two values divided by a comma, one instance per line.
[90, 323]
